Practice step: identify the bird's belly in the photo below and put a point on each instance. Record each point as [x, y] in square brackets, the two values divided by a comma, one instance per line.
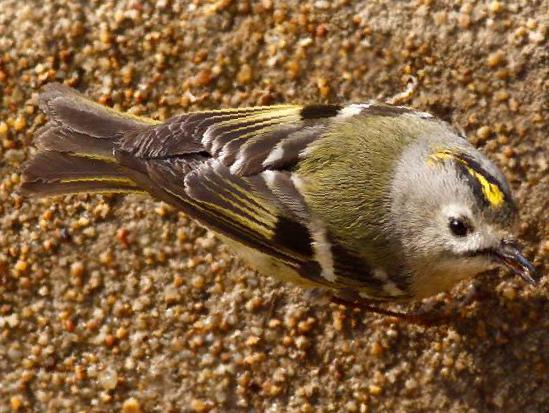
[266, 264]
[441, 278]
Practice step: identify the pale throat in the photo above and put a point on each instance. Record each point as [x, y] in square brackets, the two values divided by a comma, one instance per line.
[431, 279]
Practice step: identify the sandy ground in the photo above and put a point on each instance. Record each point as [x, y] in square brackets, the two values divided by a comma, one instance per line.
[120, 304]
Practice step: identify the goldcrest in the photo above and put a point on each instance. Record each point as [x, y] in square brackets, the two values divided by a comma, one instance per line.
[384, 202]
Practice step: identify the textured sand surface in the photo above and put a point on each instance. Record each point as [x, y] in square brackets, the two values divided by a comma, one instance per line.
[120, 304]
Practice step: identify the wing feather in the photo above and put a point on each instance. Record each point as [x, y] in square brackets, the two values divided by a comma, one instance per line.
[248, 140]
[244, 209]
[231, 170]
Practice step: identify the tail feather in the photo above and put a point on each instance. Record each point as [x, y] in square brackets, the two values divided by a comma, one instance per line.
[74, 111]
[76, 146]
[39, 189]
[49, 166]
[58, 138]
[54, 173]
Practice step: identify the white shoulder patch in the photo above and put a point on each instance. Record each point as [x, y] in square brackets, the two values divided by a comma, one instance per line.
[352, 110]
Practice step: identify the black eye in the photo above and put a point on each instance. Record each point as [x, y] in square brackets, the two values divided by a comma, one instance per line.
[459, 227]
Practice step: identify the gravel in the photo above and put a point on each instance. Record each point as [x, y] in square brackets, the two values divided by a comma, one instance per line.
[112, 303]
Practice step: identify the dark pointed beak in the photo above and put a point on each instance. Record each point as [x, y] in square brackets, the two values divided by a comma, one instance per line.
[510, 255]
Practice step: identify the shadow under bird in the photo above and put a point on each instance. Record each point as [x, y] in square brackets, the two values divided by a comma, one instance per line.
[371, 200]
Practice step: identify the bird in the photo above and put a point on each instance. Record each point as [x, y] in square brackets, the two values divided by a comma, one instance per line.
[367, 200]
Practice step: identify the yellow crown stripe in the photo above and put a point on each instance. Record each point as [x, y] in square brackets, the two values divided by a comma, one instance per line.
[442, 155]
[492, 193]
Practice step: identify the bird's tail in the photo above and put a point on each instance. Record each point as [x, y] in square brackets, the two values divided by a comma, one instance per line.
[76, 146]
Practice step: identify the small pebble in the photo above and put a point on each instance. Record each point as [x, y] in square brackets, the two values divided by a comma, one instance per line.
[245, 74]
[121, 333]
[376, 349]
[252, 341]
[20, 123]
[110, 340]
[199, 406]
[509, 293]
[198, 282]
[496, 7]
[16, 403]
[495, 59]
[108, 379]
[77, 269]
[3, 129]
[374, 389]
[254, 304]
[545, 246]
[203, 78]
[131, 405]
[21, 267]
[484, 132]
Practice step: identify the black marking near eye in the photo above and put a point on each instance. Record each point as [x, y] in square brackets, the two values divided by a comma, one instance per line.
[485, 187]
[319, 111]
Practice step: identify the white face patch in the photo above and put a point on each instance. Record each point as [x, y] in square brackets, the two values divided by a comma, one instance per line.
[483, 236]
[456, 211]
[442, 232]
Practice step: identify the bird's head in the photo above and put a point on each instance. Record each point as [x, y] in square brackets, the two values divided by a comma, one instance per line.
[455, 217]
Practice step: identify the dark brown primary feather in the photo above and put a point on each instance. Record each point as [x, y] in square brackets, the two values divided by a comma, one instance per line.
[53, 137]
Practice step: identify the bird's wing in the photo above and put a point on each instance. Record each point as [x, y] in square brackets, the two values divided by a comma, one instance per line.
[244, 187]
[247, 140]
[264, 211]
